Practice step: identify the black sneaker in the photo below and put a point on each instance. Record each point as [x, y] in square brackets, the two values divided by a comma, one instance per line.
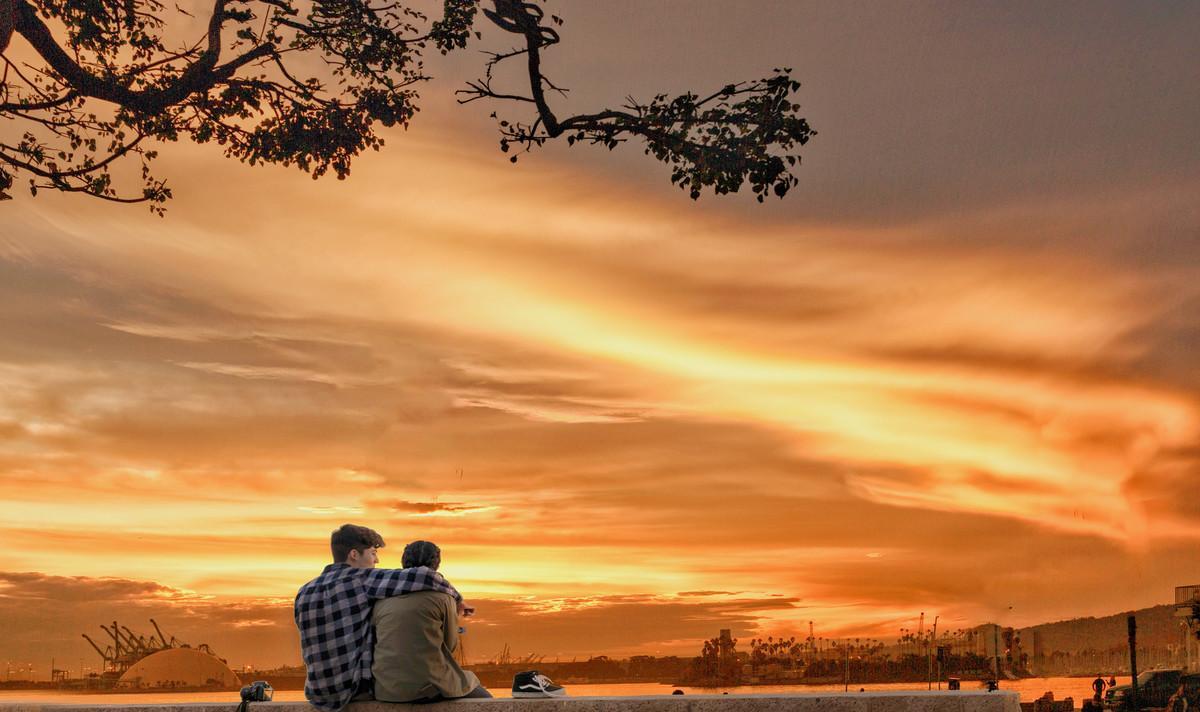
[532, 683]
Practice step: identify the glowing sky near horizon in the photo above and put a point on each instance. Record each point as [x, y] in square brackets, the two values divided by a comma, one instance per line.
[943, 376]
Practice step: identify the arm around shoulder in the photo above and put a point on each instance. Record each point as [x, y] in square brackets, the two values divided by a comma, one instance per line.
[382, 583]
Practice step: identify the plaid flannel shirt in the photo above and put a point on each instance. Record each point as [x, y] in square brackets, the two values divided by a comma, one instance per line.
[333, 613]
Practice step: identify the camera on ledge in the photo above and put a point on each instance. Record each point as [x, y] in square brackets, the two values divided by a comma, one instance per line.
[259, 691]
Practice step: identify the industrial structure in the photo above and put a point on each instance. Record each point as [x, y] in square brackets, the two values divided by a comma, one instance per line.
[155, 661]
[1187, 607]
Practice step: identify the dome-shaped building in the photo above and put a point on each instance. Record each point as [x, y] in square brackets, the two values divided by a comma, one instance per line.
[181, 667]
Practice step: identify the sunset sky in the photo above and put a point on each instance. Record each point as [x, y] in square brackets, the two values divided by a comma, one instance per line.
[953, 372]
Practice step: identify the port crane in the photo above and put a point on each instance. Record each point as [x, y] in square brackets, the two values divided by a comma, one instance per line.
[128, 647]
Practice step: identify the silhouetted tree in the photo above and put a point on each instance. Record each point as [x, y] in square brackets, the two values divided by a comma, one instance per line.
[307, 83]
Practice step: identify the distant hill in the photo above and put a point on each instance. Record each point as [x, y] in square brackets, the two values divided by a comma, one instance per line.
[1157, 627]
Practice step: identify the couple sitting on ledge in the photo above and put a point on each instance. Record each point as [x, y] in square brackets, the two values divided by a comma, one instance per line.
[386, 634]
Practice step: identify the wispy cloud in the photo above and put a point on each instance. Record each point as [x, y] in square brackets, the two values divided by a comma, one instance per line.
[276, 373]
[433, 509]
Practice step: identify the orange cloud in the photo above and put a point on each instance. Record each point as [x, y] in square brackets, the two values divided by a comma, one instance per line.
[593, 400]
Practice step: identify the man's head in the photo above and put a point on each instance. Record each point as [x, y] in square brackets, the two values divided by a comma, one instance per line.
[421, 553]
[356, 546]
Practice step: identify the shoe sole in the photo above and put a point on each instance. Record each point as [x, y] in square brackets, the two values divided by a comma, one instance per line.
[530, 695]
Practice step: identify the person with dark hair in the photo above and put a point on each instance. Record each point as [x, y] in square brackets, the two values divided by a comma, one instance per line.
[421, 553]
[1178, 701]
[415, 639]
[354, 545]
[333, 615]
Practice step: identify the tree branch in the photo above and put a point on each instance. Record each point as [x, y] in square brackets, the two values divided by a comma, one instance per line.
[7, 23]
[110, 76]
[31, 27]
[40, 105]
[743, 132]
[200, 76]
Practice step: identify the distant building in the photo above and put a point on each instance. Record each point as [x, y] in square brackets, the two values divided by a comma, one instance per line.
[180, 667]
[725, 650]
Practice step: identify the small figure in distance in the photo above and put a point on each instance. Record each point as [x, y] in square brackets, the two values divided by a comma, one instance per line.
[1098, 688]
[1179, 700]
[416, 636]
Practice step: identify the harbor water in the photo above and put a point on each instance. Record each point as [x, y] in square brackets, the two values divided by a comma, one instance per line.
[1079, 688]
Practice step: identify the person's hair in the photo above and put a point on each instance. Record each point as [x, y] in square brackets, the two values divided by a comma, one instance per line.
[421, 553]
[351, 537]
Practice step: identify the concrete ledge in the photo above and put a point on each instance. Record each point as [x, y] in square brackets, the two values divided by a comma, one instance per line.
[906, 701]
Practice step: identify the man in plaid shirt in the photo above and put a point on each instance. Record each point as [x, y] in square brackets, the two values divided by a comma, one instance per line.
[333, 613]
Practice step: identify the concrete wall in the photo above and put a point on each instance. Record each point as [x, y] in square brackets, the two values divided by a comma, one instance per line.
[964, 701]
